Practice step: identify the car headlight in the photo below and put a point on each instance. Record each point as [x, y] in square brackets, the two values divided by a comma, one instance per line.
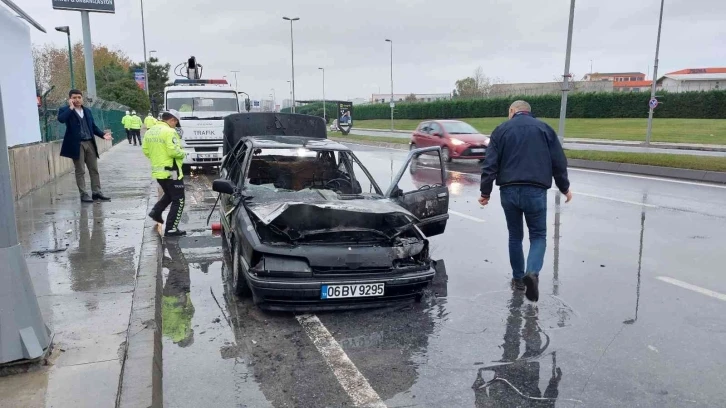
[486, 142]
[457, 142]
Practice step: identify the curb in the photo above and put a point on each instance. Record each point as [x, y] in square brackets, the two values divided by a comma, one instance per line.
[656, 171]
[140, 384]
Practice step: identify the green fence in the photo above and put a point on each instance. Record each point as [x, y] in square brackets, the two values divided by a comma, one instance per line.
[107, 116]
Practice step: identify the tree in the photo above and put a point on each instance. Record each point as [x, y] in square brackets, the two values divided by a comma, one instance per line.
[158, 77]
[411, 98]
[476, 86]
[126, 92]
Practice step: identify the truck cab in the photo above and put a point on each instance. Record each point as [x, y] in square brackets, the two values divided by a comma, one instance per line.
[203, 105]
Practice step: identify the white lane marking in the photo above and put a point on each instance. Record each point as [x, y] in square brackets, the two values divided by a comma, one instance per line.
[698, 289]
[352, 381]
[576, 193]
[468, 217]
[667, 180]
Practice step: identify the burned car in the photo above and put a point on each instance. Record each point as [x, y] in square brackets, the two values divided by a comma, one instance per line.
[307, 227]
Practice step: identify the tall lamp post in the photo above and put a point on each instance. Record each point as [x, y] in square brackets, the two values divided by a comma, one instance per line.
[392, 103]
[143, 37]
[292, 55]
[235, 79]
[274, 98]
[655, 77]
[566, 76]
[67, 30]
[325, 116]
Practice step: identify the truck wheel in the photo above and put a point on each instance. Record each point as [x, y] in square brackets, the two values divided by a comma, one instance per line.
[241, 288]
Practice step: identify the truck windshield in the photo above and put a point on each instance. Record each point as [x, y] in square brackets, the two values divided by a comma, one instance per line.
[202, 104]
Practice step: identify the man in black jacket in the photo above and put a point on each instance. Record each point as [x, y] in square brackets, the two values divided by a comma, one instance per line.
[523, 156]
[79, 144]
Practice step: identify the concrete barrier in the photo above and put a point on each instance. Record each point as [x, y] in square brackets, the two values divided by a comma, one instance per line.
[33, 166]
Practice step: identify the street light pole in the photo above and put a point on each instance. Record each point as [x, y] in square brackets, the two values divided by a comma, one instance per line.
[325, 116]
[392, 103]
[235, 80]
[67, 30]
[655, 77]
[274, 98]
[143, 36]
[566, 76]
[292, 58]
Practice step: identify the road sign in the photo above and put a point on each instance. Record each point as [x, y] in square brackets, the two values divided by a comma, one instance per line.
[393, 105]
[653, 103]
[103, 6]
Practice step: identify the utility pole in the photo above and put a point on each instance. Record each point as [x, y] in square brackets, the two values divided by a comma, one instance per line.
[655, 78]
[292, 54]
[235, 80]
[143, 36]
[393, 104]
[88, 55]
[325, 116]
[23, 334]
[566, 76]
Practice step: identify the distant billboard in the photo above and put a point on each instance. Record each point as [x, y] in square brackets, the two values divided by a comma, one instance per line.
[100, 6]
[140, 78]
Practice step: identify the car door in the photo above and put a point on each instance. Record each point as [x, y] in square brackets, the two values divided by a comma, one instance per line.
[430, 202]
[436, 135]
[232, 169]
[421, 135]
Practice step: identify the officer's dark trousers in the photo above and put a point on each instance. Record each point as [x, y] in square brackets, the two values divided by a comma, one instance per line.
[174, 195]
[136, 136]
[128, 135]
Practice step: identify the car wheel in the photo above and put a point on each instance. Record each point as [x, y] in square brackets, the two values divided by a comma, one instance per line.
[445, 154]
[241, 287]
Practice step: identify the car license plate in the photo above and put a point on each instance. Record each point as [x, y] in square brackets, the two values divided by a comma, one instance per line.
[351, 290]
[478, 150]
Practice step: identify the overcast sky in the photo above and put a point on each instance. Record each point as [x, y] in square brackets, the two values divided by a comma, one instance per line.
[435, 42]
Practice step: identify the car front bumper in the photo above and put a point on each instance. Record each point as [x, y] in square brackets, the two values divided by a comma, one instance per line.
[290, 294]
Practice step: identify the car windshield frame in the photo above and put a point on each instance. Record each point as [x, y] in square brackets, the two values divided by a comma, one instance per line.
[250, 147]
[459, 131]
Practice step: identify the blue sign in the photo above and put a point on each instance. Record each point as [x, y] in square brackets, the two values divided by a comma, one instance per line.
[653, 103]
[140, 78]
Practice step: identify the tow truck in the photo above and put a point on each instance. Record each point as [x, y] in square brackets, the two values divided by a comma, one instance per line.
[203, 105]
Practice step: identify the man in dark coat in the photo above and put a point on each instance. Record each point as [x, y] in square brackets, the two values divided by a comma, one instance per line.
[79, 144]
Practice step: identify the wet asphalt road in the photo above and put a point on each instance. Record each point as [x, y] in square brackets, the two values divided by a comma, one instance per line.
[613, 328]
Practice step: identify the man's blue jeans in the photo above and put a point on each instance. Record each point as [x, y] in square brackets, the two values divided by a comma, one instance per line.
[530, 202]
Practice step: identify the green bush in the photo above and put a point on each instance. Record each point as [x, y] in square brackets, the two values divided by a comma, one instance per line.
[687, 105]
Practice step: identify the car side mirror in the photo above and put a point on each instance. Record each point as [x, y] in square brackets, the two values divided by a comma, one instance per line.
[223, 186]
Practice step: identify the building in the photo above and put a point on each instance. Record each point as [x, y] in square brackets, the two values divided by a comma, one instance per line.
[386, 98]
[693, 79]
[614, 76]
[547, 88]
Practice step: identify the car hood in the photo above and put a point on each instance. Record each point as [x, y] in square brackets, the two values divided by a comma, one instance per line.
[471, 138]
[269, 209]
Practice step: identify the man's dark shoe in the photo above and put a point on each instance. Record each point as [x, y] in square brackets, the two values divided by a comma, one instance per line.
[175, 233]
[101, 197]
[156, 217]
[518, 284]
[531, 281]
[85, 198]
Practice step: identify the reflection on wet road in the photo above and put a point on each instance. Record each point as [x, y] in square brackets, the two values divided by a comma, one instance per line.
[607, 331]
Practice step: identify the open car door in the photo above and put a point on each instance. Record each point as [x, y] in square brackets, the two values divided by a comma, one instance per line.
[430, 202]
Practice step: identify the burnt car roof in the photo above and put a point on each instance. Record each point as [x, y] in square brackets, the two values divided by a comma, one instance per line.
[282, 142]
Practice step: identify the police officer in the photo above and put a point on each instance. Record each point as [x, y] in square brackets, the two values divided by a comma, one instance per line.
[162, 146]
[149, 121]
[135, 126]
[125, 122]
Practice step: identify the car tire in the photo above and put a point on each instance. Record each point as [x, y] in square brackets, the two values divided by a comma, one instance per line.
[241, 287]
[446, 154]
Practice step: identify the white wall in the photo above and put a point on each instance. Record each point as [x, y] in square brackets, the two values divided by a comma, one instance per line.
[17, 81]
[672, 85]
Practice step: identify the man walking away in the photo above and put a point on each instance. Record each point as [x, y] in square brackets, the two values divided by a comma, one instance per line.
[135, 125]
[523, 156]
[162, 146]
[79, 144]
[149, 121]
[125, 123]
